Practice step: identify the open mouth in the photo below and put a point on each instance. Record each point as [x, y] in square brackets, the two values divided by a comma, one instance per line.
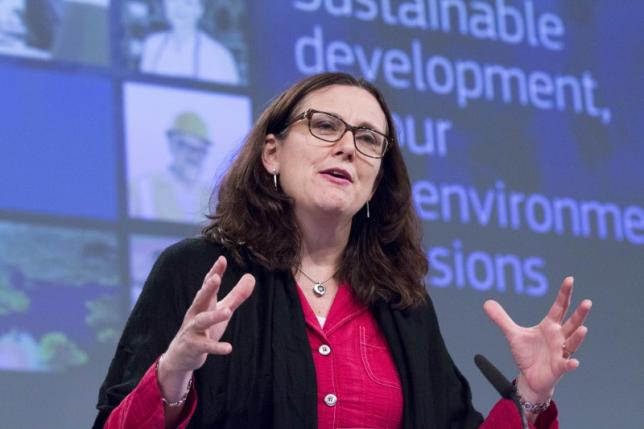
[337, 174]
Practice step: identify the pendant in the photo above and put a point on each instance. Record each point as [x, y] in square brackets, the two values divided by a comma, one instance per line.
[319, 289]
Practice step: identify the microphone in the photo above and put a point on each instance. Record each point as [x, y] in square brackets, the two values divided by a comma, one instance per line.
[501, 384]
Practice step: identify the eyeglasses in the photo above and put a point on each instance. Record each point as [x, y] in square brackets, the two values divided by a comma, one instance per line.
[330, 128]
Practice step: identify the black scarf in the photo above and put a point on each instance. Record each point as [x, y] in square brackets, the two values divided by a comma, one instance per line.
[269, 378]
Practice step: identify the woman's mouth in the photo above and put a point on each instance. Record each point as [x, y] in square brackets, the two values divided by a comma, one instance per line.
[337, 175]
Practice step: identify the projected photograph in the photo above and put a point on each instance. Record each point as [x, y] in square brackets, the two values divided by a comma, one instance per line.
[193, 39]
[67, 30]
[144, 251]
[178, 144]
[58, 154]
[58, 296]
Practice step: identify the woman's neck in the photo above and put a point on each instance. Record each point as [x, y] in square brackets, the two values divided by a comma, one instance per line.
[182, 35]
[323, 241]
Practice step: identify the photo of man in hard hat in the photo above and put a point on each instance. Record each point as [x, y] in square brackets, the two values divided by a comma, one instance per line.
[178, 142]
[173, 193]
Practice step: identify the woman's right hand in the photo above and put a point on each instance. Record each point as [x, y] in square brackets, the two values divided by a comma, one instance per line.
[202, 328]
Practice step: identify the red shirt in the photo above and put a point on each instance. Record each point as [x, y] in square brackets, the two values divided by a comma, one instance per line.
[357, 380]
[143, 408]
[356, 367]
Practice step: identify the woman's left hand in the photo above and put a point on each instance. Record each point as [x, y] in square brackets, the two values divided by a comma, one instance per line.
[543, 352]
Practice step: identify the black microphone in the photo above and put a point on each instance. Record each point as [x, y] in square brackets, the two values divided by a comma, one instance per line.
[501, 384]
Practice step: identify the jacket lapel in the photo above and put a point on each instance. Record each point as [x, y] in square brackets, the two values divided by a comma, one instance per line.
[294, 380]
[408, 341]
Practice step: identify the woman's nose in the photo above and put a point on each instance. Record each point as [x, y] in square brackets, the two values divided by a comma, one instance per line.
[346, 144]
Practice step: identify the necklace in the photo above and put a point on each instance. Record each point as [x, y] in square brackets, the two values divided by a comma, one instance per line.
[318, 287]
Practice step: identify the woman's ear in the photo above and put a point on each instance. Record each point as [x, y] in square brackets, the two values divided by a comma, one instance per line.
[270, 154]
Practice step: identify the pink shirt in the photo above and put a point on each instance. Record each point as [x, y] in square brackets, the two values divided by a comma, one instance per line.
[357, 380]
[352, 363]
[143, 408]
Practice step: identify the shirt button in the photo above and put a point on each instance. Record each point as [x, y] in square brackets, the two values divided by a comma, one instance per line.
[330, 400]
[324, 350]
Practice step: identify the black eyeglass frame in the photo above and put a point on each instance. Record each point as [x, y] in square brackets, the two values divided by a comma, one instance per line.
[308, 113]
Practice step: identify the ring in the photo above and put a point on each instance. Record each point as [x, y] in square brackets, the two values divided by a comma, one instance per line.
[566, 353]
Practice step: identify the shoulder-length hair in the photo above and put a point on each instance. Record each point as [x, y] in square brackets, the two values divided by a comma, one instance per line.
[383, 258]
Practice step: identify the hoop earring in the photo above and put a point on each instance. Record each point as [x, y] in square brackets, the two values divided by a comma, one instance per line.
[275, 178]
[368, 213]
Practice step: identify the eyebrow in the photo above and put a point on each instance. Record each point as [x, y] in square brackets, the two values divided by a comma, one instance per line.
[363, 124]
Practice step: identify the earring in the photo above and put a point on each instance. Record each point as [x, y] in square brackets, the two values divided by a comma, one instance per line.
[275, 178]
[368, 214]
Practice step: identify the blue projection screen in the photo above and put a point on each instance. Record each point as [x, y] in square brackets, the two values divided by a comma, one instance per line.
[520, 121]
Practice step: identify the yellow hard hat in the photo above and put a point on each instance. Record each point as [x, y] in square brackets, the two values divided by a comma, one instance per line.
[190, 123]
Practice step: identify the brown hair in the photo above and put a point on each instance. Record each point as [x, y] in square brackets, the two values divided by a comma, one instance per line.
[383, 258]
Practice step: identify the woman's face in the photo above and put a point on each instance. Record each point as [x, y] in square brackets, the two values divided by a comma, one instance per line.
[326, 178]
[183, 14]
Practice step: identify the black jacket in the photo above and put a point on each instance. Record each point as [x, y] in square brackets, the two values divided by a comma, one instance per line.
[269, 378]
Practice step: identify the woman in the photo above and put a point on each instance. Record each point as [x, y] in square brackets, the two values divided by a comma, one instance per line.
[185, 50]
[303, 303]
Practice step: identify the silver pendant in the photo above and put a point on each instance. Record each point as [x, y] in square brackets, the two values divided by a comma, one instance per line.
[319, 289]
